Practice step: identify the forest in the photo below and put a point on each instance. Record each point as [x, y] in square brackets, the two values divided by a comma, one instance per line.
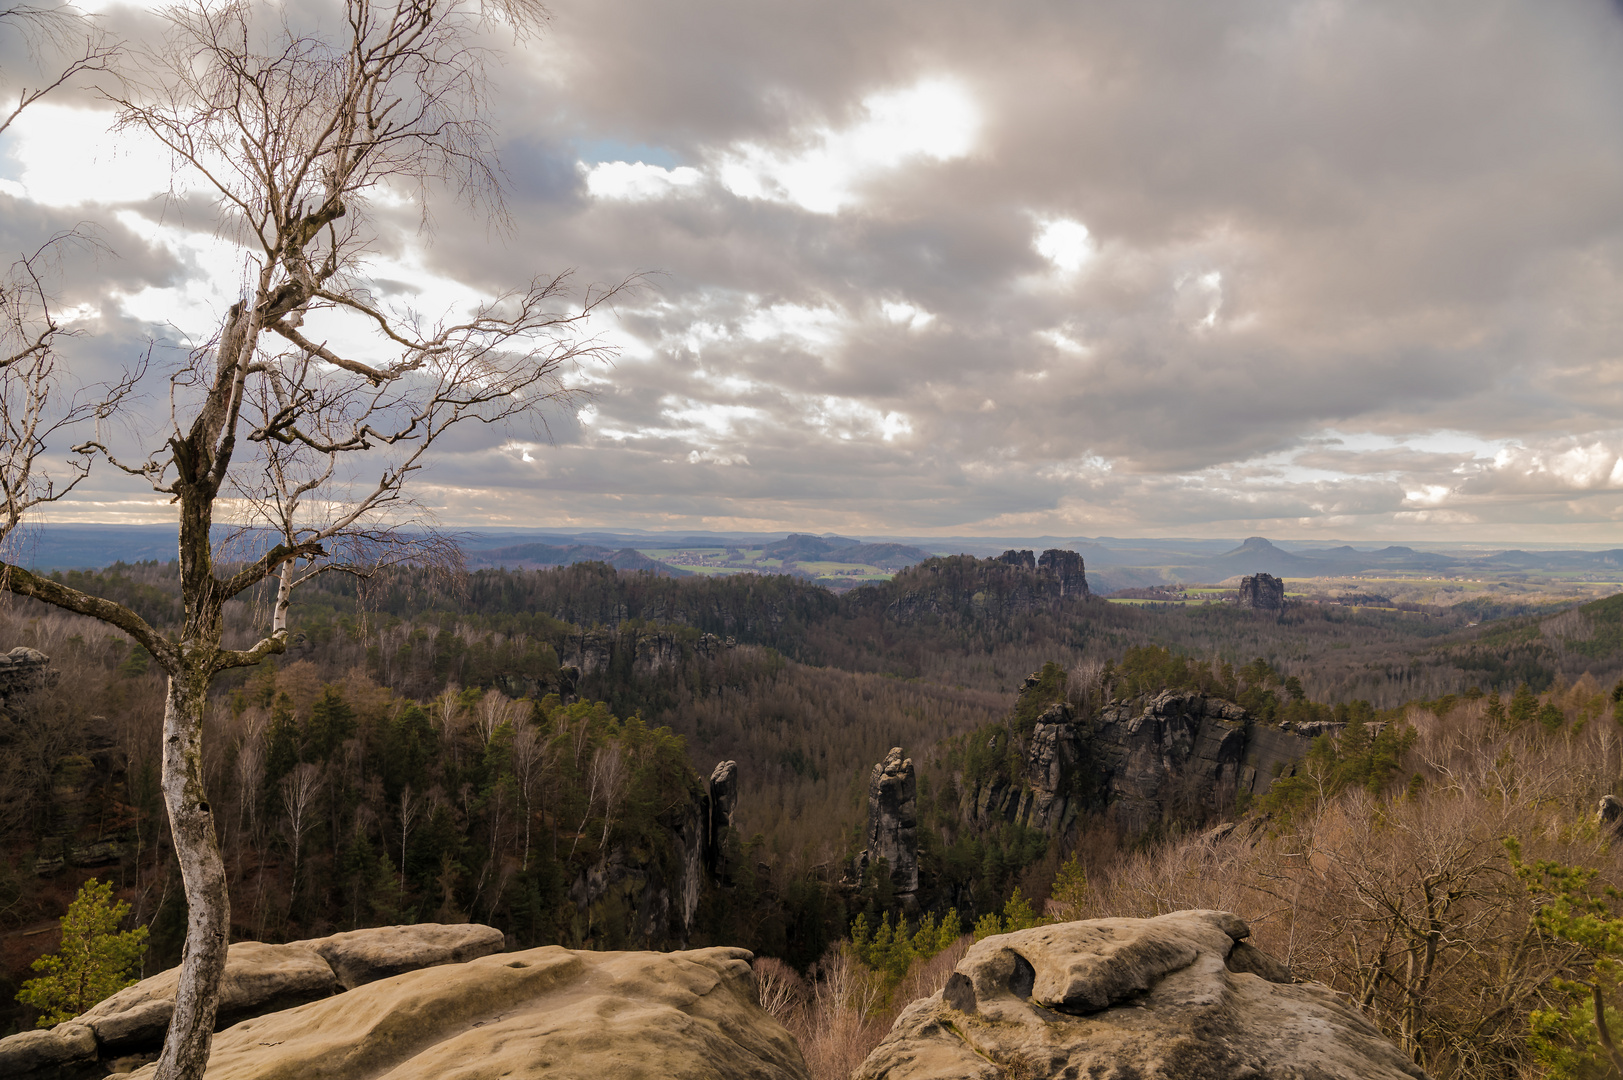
[529, 748]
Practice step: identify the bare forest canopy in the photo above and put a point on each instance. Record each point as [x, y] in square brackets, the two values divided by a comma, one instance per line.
[479, 748]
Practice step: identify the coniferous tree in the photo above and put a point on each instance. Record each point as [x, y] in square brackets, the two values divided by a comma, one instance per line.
[93, 962]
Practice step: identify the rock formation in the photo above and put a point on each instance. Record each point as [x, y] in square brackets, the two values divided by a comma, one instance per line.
[1262, 592]
[259, 979]
[1176, 754]
[962, 587]
[893, 823]
[1066, 566]
[1171, 998]
[723, 803]
[548, 1012]
[21, 670]
[1610, 815]
[630, 898]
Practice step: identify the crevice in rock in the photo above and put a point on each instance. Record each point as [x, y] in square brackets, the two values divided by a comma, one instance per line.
[1024, 977]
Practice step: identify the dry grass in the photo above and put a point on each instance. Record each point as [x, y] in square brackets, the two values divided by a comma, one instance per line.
[841, 1011]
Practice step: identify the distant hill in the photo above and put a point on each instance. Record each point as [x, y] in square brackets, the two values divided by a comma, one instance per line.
[803, 547]
[535, 556]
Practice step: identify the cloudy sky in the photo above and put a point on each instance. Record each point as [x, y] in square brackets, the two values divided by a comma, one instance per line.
[1130, 267]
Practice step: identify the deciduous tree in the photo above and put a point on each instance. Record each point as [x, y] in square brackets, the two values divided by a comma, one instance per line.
[294, 135]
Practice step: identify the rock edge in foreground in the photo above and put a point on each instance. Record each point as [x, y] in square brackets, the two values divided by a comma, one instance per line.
[1178, 996]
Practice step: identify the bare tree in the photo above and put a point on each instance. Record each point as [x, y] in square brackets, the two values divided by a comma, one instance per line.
[293, 134]
[410, 807]
[532, 757]
[609, 775]
[72, 39]
[299, 790]
[495, 709]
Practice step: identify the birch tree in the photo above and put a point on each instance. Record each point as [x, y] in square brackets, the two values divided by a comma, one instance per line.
[297, 138]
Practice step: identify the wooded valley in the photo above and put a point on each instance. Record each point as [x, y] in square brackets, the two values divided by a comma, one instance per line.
[530, 749]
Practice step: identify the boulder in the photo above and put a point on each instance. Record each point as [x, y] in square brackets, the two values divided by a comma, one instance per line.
[259, 978]
[549, 1012]
[64, 1052]
[359, 957]
[1169, 998]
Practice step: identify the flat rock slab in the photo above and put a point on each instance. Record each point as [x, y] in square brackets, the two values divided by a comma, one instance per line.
[359, 957]
[259, 978]
[548, 1012]
[1169, 998]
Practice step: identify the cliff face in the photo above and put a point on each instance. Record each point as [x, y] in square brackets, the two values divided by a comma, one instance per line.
[1178, 755]
[640, 896]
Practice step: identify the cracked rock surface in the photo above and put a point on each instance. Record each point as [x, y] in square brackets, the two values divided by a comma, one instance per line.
[1180, 997]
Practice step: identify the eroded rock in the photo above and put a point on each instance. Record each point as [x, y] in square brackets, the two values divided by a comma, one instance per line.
[64, 1052]
[1156, 999]
[1262, 592]
[358, 957]
[893, 821]
[549, 1012]
[259, 978]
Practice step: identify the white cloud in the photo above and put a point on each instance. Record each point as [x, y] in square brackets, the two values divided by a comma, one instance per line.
[933, 120]
[67, 156]
[814, 326]
[1065, 242]
[905, 314]
[637, 182]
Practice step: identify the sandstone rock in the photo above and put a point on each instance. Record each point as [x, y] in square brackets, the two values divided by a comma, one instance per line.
[1169, 998]
[1262, 592]
[893, 820]
[23, 669]
[1025, 560]
[259, 978]
[548, 1012]
[359, 957]
[1610, 814]
[64, 1052]
[1177, 755]
[1068, 568]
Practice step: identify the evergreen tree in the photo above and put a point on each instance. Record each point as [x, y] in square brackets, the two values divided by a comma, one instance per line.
[1523, 706]
[93, 962]
[1070, 889]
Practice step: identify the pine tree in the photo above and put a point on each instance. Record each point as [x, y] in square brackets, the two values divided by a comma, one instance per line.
[93, 961]
[1070, 889]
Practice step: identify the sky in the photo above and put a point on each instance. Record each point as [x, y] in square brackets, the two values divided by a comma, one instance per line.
[1131, 267]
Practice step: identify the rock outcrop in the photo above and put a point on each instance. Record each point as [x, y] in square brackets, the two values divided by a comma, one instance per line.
[722, 804]
[1262, 592]
[259, 979]
[548, 1012]
[1610, 815]
[1172, 998]
[1178, 754]
[645, 894]
[962, 588]
[21, 670]
[893, 823]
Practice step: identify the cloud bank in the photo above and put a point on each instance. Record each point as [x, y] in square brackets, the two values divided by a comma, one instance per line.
[1138, 267]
